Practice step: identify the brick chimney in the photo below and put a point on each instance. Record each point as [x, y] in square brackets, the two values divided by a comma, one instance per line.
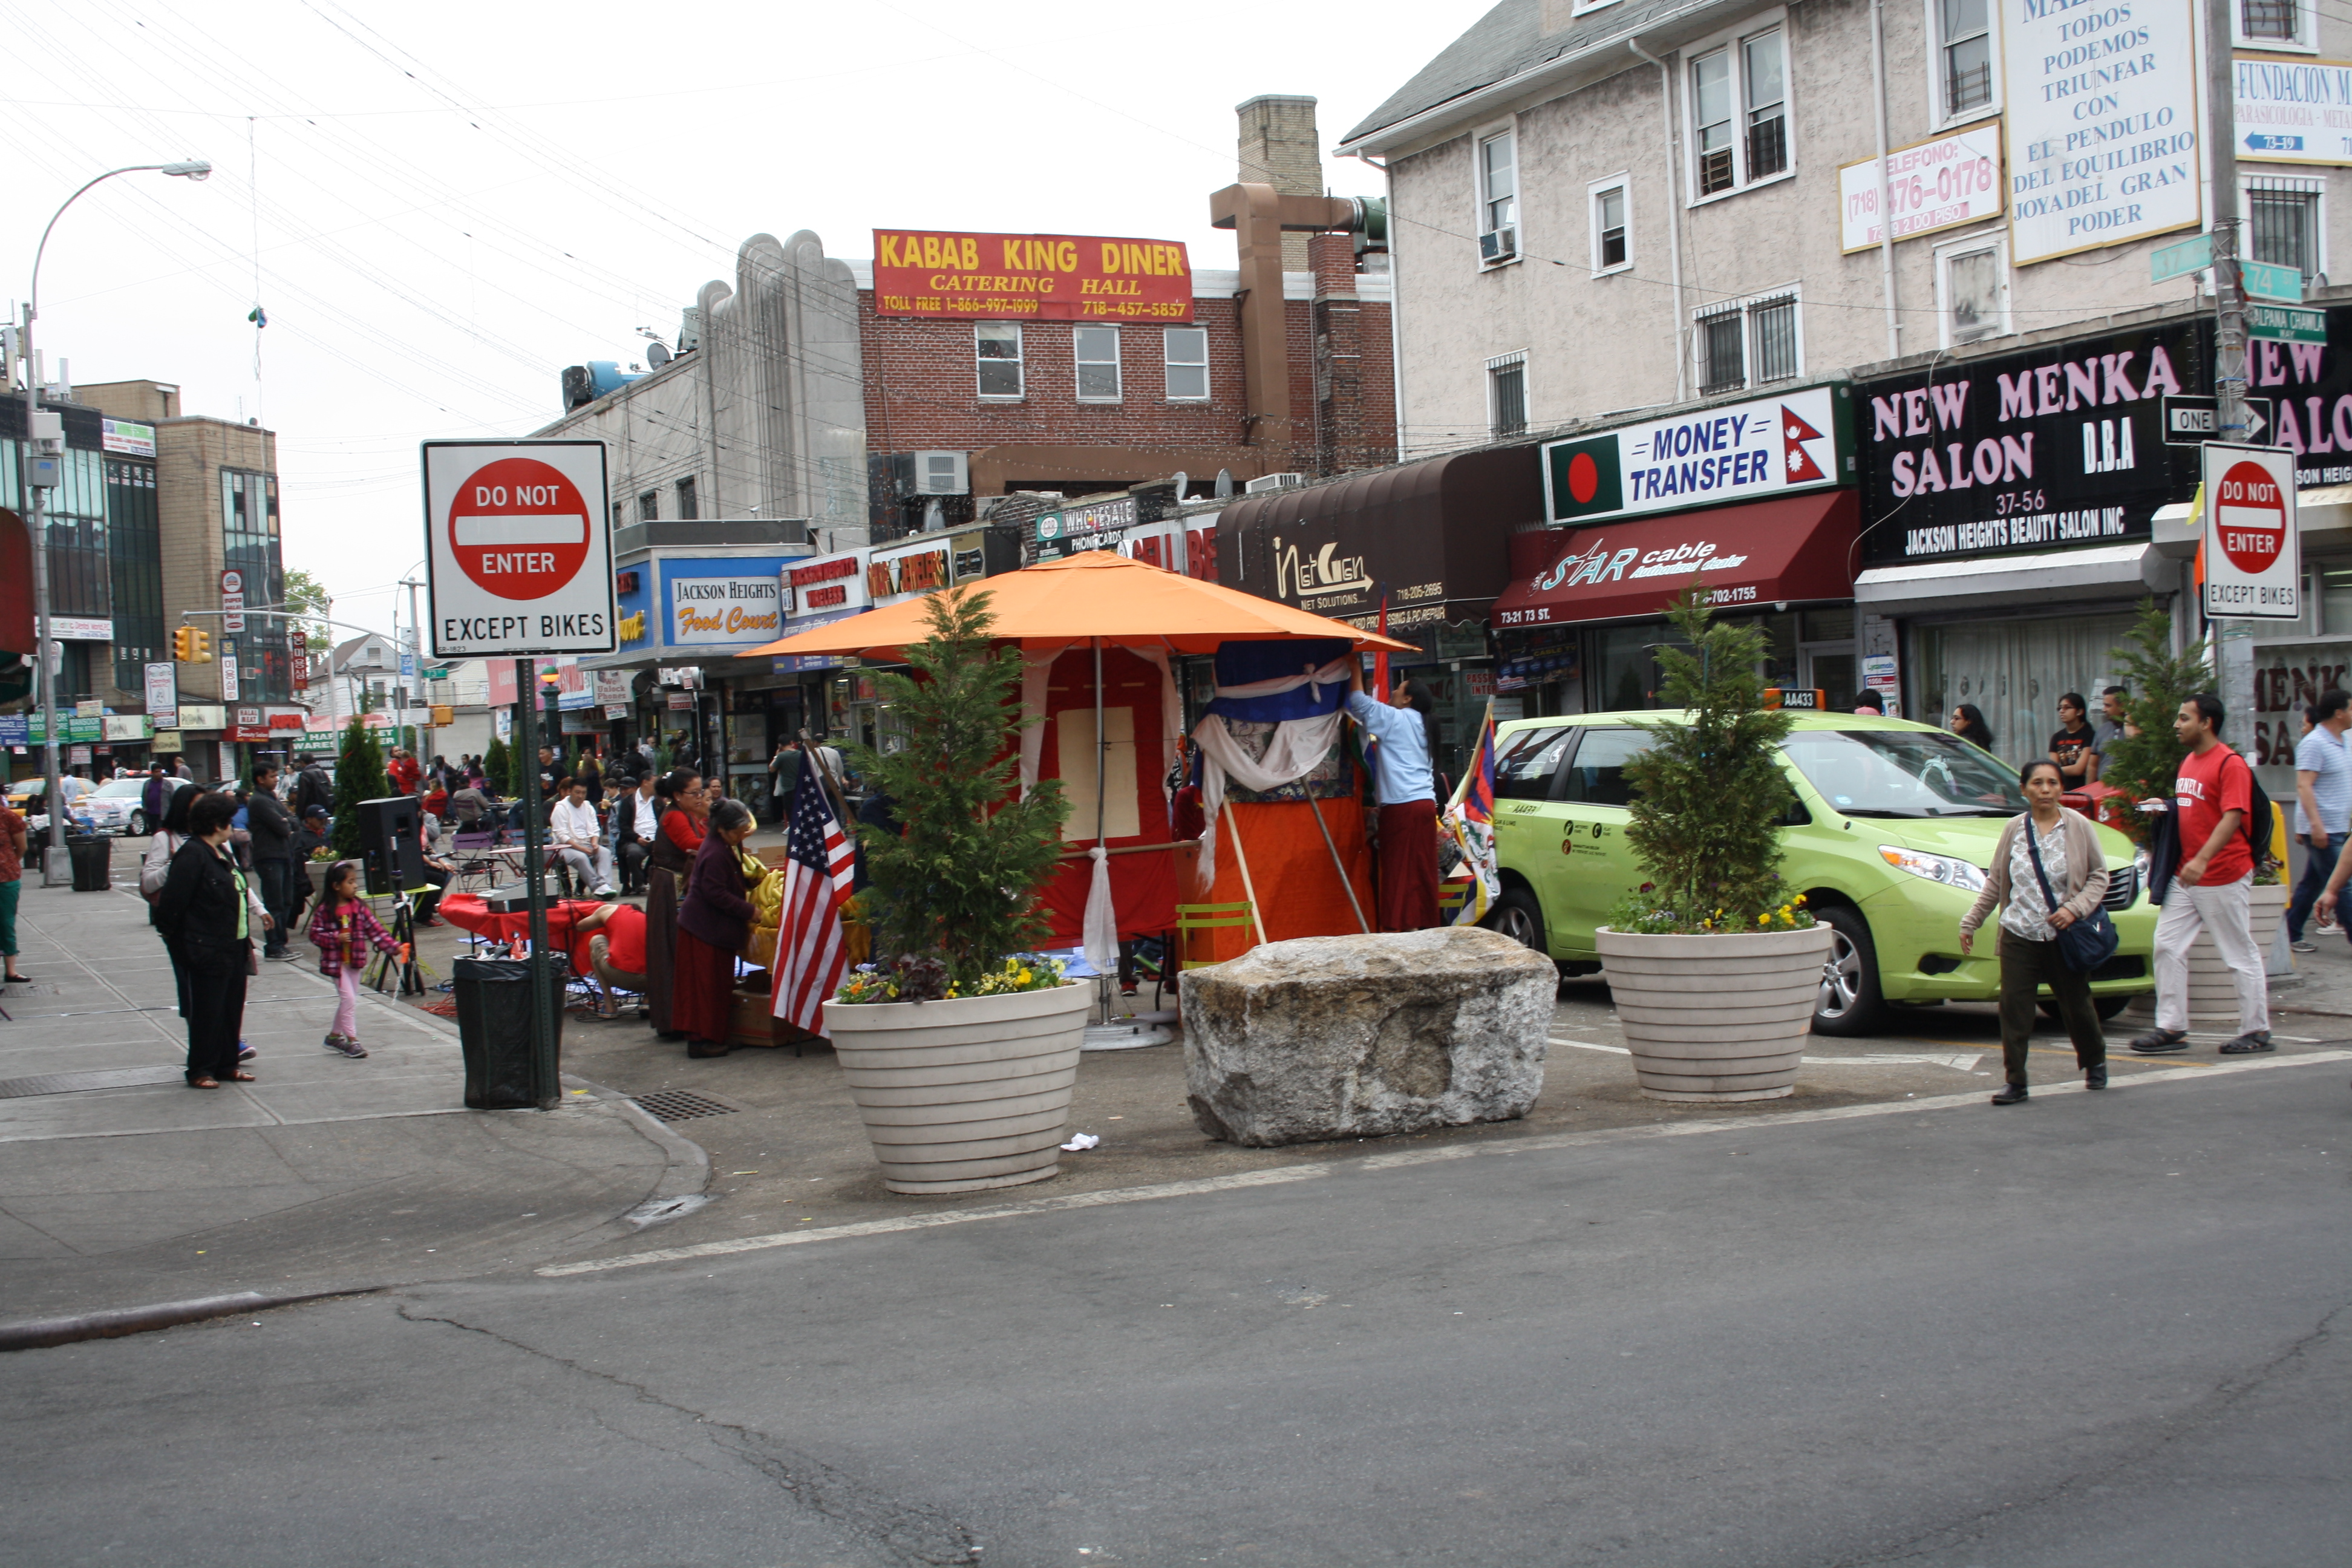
[1280, 147]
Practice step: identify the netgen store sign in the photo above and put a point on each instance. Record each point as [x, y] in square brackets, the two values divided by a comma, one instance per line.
[1038, 277]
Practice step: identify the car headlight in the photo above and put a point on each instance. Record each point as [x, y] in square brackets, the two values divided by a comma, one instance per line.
[2143, 864]
[1944, 869]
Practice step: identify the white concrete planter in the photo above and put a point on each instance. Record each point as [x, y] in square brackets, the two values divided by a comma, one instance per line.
[1716, 1017]
[2213, 989]
[965, 1094]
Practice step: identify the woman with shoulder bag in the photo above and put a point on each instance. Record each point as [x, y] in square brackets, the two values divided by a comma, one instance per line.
[2049, 877]
[206, 916]
[156, 868]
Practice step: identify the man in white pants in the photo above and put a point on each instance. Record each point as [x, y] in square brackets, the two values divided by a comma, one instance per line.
[2212, 796]
[573, 832]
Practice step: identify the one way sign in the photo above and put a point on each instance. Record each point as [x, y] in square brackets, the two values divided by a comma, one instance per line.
[2189, 421]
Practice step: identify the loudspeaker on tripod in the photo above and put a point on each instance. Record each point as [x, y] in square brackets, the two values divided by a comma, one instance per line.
[392, 845]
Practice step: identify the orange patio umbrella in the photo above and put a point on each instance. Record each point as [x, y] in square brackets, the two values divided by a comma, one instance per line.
[1098, 595]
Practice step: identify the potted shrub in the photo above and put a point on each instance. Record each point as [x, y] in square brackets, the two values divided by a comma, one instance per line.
[1715, 968]
[960, 1045]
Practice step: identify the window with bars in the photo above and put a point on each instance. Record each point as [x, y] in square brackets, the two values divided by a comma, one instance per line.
[1506, 396]
[2277, 21]
[1096, 352]
[2283, 228]
[997, 347]
[1747, 344]
[1967, 43]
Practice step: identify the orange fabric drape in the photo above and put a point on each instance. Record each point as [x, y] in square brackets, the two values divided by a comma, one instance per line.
[1298, 888]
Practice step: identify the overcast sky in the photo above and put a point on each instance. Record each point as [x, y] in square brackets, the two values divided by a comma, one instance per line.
[447, 203]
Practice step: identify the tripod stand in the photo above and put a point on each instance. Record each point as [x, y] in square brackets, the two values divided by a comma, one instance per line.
[399, 967]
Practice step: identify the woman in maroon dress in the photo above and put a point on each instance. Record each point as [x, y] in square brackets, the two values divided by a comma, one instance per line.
[714, 920]
[686, 804]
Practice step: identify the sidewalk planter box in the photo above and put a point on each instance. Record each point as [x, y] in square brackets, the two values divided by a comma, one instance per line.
[963, 1094]
[1716, 1018]
[2212, 991]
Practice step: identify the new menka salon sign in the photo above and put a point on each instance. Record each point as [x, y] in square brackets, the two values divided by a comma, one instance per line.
[1753, 450]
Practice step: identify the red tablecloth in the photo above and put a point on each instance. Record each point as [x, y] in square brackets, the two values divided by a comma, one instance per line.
[467, 912]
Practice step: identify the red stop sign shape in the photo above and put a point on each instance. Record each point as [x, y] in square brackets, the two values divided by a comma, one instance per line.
[2251, 516]
[519, 528]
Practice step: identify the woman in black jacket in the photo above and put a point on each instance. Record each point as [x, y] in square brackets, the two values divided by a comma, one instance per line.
[207, 919]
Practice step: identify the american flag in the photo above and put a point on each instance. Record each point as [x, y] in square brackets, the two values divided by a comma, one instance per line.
[818, 865]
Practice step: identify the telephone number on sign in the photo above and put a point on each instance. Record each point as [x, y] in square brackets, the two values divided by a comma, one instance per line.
[1731, 596]
[1136, 308]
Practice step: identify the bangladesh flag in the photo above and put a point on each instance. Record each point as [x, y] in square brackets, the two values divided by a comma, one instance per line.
[1585, 480]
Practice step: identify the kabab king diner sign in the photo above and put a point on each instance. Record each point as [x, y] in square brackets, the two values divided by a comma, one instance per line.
[1037, 277]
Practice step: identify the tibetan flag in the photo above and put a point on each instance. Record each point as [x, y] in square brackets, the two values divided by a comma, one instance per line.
[1469, 821]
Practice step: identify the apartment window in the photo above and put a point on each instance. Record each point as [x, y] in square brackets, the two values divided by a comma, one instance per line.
[2271, 22]
[649, 506]
[1185, 352]
[1611, 246]
[2282, 224]
[1972, 291]
[1747, 342]
[1507, 394]
[997, 347]
[1967, 43]
[1499, 197]
[689, 507]
[1096, 352]
[1739, 113]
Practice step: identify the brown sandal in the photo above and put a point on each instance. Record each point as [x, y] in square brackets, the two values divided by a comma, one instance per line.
[242, 1078]
[204, 1083]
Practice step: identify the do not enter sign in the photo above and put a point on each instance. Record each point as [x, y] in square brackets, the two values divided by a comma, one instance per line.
[2253, 565]
[519, 529]
[519, 549]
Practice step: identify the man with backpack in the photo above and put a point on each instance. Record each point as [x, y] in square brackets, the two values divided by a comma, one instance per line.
[2220, 821]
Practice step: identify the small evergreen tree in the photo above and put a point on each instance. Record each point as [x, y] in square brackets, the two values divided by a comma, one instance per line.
[2155, 682]
[960, 883]
[498, 766]
[1708, 795]
[359, 775]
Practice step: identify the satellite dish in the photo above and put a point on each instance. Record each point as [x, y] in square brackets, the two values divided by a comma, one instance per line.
[1225, 483]
[1182, 479]
[657, 353]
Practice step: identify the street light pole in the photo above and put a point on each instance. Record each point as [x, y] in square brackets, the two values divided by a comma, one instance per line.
[55, 869]
[2228, 290]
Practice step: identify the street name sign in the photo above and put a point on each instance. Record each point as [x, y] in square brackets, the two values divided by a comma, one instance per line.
[2285, 324]
[519, 549]
[2271, 281]
[2190, 420]
[2179, 260]
[2253, 555]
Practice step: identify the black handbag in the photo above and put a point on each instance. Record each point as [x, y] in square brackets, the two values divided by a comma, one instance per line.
[2089, 942]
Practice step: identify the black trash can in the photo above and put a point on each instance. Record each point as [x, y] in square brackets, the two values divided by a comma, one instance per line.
[93, 862]
[493, 998]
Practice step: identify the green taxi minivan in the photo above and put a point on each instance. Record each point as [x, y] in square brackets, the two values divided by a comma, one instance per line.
[1889, 840]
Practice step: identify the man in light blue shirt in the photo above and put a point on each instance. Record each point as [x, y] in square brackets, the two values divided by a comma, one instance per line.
[1407, 794]
[2322, 802]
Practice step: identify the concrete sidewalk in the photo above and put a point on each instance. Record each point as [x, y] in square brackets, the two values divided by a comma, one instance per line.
[128, 1187]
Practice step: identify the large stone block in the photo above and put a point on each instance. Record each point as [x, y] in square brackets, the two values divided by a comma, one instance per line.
[1359, 1037]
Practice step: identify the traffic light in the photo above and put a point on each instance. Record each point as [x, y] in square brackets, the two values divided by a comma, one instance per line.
[203, 648]
[183, 645]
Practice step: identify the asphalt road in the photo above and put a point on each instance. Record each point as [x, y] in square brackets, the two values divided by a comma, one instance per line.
[2090, 1330]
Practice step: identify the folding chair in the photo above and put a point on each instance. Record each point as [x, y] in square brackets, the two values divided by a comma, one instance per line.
[474, 867]
[1191, 918]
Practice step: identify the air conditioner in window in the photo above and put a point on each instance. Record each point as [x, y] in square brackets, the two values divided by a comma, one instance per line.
[943, 474]
[1499, 245]
[1272, 482]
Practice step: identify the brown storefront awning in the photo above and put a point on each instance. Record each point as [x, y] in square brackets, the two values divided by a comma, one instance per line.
[1761, 555]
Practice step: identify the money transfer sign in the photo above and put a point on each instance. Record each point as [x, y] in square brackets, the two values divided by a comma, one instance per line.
[1934, 184]
[518, 548]
[2254, 559]
[1734, 452]
[2101, 121]
[1045, 277]
[2293, 111]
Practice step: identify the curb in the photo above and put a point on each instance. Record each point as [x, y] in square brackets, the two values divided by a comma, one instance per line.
[41, 1333]
[688, 1173]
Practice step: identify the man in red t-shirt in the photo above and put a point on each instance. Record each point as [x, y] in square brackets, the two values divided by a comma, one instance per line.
[2212, 796]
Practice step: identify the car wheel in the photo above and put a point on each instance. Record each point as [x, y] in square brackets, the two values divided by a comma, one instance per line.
[1518, 916]
[1850, 1001]
[137, 826]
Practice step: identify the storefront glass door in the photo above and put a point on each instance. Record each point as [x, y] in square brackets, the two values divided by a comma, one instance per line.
[2014, 672]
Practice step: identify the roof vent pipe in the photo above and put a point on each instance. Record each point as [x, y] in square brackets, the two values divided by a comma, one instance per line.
[1673, 211]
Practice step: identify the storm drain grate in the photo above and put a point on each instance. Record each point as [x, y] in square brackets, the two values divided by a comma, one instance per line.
[681, 1105]
[101, 1078]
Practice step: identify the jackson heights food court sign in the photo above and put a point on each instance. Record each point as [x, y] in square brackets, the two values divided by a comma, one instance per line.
[1036, 277]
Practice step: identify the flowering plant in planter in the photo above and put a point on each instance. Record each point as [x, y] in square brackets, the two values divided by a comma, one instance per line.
[1709, 795]
[953, 903]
